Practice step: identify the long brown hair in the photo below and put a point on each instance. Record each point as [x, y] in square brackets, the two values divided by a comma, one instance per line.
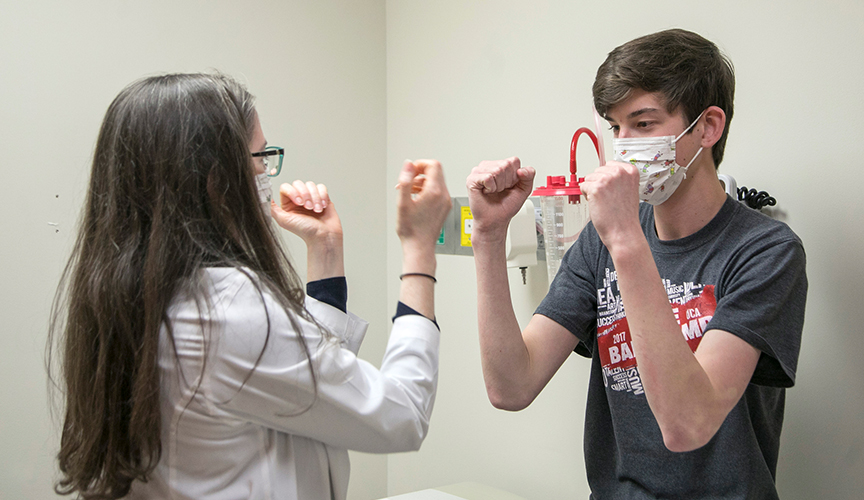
[172, 191]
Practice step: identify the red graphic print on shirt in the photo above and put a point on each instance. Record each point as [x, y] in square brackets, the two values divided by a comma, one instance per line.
[692, 304]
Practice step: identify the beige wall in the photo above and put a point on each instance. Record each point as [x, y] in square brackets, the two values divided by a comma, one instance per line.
[462, 81]
[468, 81]
[318, 70]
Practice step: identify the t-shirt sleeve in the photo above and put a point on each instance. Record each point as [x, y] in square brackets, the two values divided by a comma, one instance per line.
[572, 298]
[761, 299]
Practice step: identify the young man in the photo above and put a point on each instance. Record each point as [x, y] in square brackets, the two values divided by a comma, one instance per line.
[688, 381]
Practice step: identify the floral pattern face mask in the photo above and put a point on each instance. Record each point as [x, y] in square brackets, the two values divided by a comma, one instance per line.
[659, 173]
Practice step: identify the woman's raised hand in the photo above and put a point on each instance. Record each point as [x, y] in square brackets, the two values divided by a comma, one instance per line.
[305, 209]
[423, 204]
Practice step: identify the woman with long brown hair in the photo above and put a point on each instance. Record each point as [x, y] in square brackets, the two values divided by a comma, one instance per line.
[191, 362]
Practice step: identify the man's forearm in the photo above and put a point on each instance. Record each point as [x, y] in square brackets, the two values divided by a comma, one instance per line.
[503, 352]
[678, 390]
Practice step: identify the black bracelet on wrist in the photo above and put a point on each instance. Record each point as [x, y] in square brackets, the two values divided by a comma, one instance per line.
[418, 274]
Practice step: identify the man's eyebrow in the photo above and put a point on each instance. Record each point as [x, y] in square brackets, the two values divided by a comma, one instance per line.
[641, 112]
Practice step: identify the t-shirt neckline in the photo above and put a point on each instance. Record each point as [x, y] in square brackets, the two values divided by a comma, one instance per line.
[707, 234]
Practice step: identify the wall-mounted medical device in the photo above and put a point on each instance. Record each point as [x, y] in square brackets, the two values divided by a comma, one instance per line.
[525, 241]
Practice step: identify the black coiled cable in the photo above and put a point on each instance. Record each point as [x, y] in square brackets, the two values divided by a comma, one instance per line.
[755, 199]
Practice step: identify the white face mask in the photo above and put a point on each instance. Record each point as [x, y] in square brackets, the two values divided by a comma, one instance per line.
[659, 173]
[265, 192]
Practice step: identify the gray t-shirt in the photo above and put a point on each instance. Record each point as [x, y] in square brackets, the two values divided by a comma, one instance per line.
[743, 273]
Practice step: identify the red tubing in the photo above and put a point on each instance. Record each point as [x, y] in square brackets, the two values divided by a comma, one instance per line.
[583, 130]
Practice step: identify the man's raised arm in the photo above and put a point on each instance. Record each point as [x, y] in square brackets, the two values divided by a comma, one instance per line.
[516, 364]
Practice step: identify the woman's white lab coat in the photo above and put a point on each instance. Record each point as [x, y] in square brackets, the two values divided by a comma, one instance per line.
[233, 425]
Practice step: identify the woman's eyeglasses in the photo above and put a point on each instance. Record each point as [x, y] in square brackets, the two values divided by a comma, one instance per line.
[272, 156]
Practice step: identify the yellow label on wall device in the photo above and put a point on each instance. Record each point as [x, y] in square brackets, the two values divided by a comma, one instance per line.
[467, 226]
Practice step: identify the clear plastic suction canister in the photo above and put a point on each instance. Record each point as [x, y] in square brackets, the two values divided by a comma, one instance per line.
[565, 212]
[562, 223]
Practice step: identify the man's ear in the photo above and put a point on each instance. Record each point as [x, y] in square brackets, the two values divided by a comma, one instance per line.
[714, 120]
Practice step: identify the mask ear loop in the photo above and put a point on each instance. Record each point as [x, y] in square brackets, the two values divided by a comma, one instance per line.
[691, 126]
[598, 128]
[684, 169]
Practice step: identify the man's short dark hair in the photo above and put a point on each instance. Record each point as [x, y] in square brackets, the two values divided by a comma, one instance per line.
[685, 68]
